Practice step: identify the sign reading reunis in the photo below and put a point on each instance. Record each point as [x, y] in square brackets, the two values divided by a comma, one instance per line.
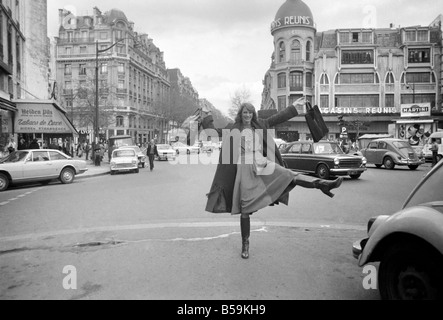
[291, 21]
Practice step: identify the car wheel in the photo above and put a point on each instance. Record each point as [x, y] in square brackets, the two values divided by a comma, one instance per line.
[323, 172]
[4, 182]
[355, 176]
[389, 163]
[67, 176]
[413, 167]
[409, 271]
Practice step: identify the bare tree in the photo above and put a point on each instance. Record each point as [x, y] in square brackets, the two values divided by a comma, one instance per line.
[242, 95]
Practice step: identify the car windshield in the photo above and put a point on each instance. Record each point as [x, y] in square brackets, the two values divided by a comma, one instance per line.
[402, 145]
[15, 157]
[327, 148]
[429, 190]
[163, 147]
[124, 153]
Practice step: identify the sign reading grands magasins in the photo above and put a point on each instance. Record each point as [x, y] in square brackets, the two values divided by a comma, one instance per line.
[32, 118]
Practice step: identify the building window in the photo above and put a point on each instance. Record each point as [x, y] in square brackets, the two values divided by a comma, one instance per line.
[357, 101]
[296, 81]
[418, 77]
[281, 103]
[68, 51]
[282, 52]
[281, 80]
[308, 51]
[309, 80]
[324, 80]
[389, 101]
[390, 78]
[68, 69]
[344, 37]
[419, 55]
[295, 52]
[121, 68]
[119, 121]
[121, 84]
[104, 68]
[418, 98]
[357, 57]
[324, 101]
[82, 71]
[417, 36]
[357, 78]
[367, 37]
[83, 50]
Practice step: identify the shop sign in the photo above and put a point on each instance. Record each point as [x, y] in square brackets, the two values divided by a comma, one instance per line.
[416, 110]
[359, 110]
[40, 118]
[292, 21]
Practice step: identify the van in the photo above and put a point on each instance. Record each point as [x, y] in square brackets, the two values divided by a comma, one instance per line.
[436, 136]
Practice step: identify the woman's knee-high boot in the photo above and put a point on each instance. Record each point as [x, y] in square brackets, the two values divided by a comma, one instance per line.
[245, 226]
[314, 183]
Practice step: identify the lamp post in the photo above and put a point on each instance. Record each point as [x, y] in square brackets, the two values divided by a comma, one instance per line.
[413, 90]
[97, 110]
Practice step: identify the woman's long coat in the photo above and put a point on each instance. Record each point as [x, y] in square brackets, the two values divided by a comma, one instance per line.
[222, 189]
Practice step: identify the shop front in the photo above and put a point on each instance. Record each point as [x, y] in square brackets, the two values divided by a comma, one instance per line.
[46, 122]
[7, 112]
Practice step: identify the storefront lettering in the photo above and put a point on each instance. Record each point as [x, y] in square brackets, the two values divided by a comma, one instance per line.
[291, 21]
[34, 112]
[359, 110]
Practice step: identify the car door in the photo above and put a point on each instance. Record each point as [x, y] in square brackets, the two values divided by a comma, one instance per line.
[307, 163]
[380, 152]
[370, 151]
[292, 157]
[38, 166]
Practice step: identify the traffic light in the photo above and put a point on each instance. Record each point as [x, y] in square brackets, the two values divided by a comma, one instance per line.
[341, 121]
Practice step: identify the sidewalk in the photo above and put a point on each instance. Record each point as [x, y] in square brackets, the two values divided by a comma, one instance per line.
[94, 171]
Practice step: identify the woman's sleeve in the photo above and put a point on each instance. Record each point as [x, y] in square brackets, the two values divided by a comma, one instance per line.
[282, 116]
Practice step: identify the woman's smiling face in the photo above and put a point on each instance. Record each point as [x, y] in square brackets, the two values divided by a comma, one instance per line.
[247, 116]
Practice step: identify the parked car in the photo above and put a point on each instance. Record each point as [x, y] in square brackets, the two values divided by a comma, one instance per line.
[436, 136]
[409, 244]
[324, 159]
[165, 152]
[181, 148]
[39, 166]
[281, 144]
[140, 154]
[392, 152]
[124, 160]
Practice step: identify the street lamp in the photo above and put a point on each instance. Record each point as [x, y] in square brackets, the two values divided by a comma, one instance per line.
[408, 86]
[97, 113]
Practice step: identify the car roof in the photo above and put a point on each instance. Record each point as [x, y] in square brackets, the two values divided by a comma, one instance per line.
[388, 140]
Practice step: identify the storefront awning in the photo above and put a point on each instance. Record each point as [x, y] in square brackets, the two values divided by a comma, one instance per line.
[42, 116]
[7, 105]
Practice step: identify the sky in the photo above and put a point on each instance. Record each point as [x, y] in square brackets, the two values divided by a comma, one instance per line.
[224, 46]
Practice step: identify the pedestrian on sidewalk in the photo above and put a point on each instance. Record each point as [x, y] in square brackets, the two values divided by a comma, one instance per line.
[247, 178]
[434, 149]
[152, 152]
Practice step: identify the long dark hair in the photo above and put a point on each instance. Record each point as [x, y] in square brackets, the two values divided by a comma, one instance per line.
[250, 108]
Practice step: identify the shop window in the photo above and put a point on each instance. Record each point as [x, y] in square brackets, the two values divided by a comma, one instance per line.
[418, 77]
[324, 101]
[357, 78]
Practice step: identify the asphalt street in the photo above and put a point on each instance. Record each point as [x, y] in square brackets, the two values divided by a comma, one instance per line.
[147, 236]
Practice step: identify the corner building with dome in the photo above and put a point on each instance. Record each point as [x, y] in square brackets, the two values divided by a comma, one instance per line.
[365, 81]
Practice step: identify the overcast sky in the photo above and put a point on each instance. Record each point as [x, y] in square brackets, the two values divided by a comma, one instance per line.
[226, 45]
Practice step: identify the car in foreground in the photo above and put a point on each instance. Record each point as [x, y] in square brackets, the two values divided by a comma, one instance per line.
[408, 245]
[141, 156]
[124, 160]
[324, 159]
[181, 148]
[165, 152]
[28, 166]
[392, 152]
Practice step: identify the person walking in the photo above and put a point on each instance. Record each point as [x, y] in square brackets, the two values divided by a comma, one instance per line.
[34, 145]
[250, 175]
[151, 152]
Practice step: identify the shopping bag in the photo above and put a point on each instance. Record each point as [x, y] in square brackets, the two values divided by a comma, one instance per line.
[315, 122]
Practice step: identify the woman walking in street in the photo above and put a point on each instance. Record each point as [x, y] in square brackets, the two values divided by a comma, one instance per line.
[251, 175]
